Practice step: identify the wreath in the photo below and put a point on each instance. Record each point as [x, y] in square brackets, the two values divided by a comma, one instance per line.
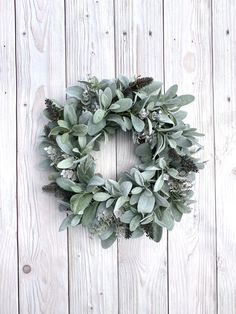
[153, 194]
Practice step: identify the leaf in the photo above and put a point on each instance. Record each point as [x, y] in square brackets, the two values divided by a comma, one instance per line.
[120, 202]
[101, 196]
[98, 116]
[127, 123]
[70, 114]
[186, 99]
[158, 184]
[79, 202]
[95, 128]
[117, 119]
[124, 105]
[89, 214]
[171, 92]
[65, 184]
[135, 222]
[75, 221]
[108, 242]
[66, 222]
[154, 86]
[157, 232]
[166, 221]
[127, 216]
[63, 124]
[75, 91]
[96, 180]
[80, 129]
[138, 178]
[65, 147]
[57, 130]
[137, 123]
[66, 163]
[136, 190]
[125, 187]
[146, 202]
[106, 97]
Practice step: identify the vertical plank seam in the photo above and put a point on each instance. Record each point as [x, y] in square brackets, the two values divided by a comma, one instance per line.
[115, 69]
[67, 230]
[16, 169]
[214, 150]
[167, 235]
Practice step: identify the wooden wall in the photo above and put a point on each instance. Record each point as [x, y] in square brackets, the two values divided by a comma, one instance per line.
[48, 45]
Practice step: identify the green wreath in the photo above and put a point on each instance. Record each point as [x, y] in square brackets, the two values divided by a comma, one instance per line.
[154, 193]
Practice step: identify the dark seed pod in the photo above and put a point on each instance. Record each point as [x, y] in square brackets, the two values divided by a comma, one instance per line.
[46, 130]
[53, 111]
[140, 83]
[128, 233]
[188, 164]
[174, 155]
[148, 230]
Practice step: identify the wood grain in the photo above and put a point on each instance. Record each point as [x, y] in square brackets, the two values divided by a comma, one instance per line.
[90, 51]
[224, 41]
[192, 244]
[139, 50]
[8, 206]
[40, 73]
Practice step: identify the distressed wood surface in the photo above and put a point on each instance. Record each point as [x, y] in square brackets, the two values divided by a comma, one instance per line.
[224, 41]
[90, 51]
[46, 45]
[139, 51]
[192, 243]
[8, 203]
[43, 265]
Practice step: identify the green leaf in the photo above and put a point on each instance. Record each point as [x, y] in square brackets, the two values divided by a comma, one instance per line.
[157, 232]
[125, 187]
[65, 147]
[138, 178]
[158, 184]
[106, 97]
[80, 129]
[137, 123]
[70, 114]
[65, 184]
[57, 130]
[96, 180]
[98, 116]
[75, 91]
[124, 105]
[108, 242]
[120, 202]
[95, 128]
[66, 163]
[186, 99]
[136, 190]
[89, 214]
[135, 222]
[66, 222]
[146, 202]
[171, 92]
[101, 196]
[127, 216]
[79, 202]
[63, 124]
[76, 220]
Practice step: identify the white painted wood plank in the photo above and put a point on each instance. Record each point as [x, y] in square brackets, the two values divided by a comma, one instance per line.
[142, 262]
[192, 244]
[40, 74]
[224, 43]
[90, 51]
[8, 206]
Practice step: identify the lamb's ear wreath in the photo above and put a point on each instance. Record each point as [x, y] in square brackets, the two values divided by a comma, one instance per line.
[153, 194]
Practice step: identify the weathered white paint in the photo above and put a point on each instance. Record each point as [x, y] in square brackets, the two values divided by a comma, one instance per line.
[192, 244]
[187, 42]
[8, 202]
